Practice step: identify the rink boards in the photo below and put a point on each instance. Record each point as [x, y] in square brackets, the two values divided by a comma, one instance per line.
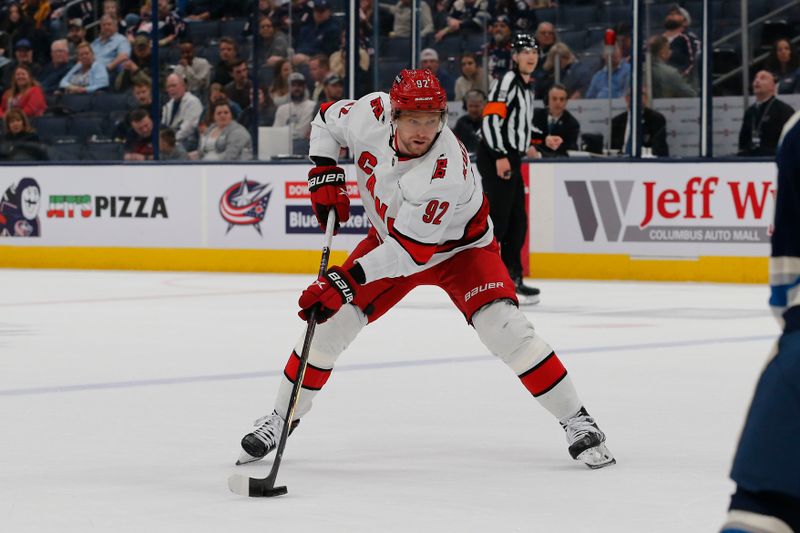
[656, 221]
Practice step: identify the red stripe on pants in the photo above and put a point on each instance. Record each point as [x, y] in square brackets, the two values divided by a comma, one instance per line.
[314, 378]
[544, 376]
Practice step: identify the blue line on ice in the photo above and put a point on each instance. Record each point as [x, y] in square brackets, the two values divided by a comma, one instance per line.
[364, 366]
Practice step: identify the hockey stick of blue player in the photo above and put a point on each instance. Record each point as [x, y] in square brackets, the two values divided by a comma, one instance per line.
[265, 488]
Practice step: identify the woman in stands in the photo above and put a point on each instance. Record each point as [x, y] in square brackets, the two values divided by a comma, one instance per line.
[87, 76]
[471, 78]
[18, 129]
[279, 89]
[784, 62]
[25, 94]
[225, 139]
[14, 25]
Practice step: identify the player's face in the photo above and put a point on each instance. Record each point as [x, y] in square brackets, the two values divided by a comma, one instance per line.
[527, 59]
[416, 131]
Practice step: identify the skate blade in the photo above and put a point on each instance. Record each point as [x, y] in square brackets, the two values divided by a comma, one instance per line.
[527, 300]
[245, 458]
[597, 457]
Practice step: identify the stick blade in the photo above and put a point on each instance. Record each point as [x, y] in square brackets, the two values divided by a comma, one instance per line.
[254, 488]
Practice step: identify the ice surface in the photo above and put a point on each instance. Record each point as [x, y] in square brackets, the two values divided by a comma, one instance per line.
[123, 397]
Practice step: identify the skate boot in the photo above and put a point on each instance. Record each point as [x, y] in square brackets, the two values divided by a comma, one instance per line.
[526, 295]
[264, 438]
[586, 441]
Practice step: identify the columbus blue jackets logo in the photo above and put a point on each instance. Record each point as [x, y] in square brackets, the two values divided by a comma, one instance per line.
[245, 204]
[19, 209]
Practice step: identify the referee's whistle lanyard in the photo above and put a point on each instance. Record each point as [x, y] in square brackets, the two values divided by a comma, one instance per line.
[755, 128]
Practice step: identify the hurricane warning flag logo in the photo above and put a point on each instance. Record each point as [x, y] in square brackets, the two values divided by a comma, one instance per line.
[245, 204]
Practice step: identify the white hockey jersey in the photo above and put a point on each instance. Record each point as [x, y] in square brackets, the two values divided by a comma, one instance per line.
[424, 209]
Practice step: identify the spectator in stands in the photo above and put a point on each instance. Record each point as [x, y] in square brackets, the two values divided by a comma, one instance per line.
[279, 88]
[440, 12]
[240, 89]
[764, 120]
[204, 10]
[465, 16]
[401, 11]
[575, 75]
[333, 90]
[111, 8]
[274, 43]
[142, 95]
[684, 45]
[53, 72]
[24, 94]
[139, 66]
[521, 13]
[555, 130]
[225, 139]
[266, 112]
[297, 113]
[23, 55]
[182, 112]
[468, 125]
[170, 23]
[195, 70]
[228, 55]
[654, 129]
[320, 37]
[499, 49]
[14, 25]
[783, 62]
[620, 77]
[18, 128]
[338, 61]
[667, 81]
[319, 68]
[217, 92]
[110, 48]
[302, 13]
[168, 147]
[623, 31]
[429, 59]
[139, 147]
[76, 34]
[87, 75]
[546, 37]
[471, 76]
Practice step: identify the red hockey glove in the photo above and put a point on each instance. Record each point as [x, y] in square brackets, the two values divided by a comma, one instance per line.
[328, 191]
[330, 292]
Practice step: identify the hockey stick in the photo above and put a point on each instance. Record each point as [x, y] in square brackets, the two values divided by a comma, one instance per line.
[265, 488]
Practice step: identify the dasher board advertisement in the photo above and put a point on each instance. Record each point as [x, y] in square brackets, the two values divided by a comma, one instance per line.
[664, 210]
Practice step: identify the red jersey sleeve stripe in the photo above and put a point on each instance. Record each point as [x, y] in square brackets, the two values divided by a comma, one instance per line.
[420, 252]
[544, 376]
[314, 379]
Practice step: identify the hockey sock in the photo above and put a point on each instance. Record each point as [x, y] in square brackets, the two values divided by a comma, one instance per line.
[549, 383]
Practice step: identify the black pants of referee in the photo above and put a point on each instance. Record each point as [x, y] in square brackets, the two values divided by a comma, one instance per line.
[506, 207]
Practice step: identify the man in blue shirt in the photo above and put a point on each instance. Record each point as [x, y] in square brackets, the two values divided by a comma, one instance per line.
[620, 78]
[323, 36]
[110, 48]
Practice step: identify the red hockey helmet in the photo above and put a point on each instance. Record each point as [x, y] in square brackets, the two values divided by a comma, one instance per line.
[417, 90]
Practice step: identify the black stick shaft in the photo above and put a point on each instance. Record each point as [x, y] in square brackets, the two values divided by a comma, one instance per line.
[301, 372]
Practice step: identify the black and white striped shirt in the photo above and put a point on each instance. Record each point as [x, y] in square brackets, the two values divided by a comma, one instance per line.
[508, 115]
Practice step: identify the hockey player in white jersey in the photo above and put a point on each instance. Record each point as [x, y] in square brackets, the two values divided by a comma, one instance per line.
[430, 226]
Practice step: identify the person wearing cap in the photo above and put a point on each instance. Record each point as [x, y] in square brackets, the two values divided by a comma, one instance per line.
[87, 76]
[23, 55]
[465, 16]
[297, 113]
[401, 11]
[333, 89]
[498, 50]
[507, 132]
[429, 58]
[110, 48]
[684, 45]
[321, 36]
[76, 34]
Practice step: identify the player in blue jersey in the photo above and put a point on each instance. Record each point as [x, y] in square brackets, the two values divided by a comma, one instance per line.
[766, 468]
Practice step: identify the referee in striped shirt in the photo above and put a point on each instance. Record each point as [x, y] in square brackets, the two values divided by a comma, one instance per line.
[506, 139]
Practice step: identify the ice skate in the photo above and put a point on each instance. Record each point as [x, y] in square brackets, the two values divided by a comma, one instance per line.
[586, 441]
[525, 294]
[264, 438]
